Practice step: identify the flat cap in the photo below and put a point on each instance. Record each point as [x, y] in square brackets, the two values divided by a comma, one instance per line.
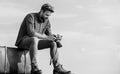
[47, 6]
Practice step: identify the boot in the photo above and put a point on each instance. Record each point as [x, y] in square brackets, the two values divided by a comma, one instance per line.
[35, 70]
[60, 70]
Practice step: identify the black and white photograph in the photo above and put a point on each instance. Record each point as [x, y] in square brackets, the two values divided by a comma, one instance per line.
[59, 37]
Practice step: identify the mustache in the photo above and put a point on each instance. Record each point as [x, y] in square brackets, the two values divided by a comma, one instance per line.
[44, 17]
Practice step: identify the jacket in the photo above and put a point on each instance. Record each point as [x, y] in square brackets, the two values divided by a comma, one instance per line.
[33, 23]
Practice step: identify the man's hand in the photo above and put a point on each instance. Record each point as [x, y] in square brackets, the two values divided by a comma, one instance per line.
[52, 38]
[58, 40]
[58, 37]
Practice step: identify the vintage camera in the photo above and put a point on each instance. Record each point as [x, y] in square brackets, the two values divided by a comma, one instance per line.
[58, 39]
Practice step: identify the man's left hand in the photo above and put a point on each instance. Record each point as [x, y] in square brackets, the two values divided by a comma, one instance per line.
[58, 37]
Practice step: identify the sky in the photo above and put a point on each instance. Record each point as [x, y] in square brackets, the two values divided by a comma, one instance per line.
[90, 29]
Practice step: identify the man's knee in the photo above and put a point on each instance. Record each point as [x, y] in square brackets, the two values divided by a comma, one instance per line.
[56, 44]
[53, 44]
[34, 40]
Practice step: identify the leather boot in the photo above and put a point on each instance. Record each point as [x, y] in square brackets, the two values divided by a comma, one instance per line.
[35, 70]
[60, 70]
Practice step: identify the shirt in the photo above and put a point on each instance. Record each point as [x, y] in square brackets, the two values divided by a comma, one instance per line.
[33, 23]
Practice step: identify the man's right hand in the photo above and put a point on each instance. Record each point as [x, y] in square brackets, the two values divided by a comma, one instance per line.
[51, 38]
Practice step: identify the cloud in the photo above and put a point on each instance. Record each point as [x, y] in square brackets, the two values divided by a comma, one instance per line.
[10, 15]
[11, 12]
[11, 9]
[100, 1]
[64, 15]
[108, 27]
[88, 41]
[101, 19]
[79, 6]
[72, 35]
[109, 14]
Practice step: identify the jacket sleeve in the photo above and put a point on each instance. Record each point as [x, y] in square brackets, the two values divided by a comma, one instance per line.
[48, 30]
[30, 25]
[31, 28]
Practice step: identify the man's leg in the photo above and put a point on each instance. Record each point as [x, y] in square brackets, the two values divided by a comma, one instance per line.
[42, 44]
[58, 69]
[31, 43]
[34, 44]
[54, 56]
[33, 52]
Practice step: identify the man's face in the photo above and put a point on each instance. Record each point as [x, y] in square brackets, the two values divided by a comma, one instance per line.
[46, 14]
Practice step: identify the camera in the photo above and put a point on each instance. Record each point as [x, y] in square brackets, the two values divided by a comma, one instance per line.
[58, 39]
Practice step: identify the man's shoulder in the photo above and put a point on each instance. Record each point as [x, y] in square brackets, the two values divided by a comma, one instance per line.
[31, 14]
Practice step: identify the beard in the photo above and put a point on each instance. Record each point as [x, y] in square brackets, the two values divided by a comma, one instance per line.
[44, 18]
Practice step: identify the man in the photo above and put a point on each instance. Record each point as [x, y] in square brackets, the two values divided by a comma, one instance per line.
[35, 34]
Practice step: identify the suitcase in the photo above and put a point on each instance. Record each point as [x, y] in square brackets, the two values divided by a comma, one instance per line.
[14, 61]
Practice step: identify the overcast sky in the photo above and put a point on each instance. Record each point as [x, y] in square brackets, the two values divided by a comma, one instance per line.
[90, 29]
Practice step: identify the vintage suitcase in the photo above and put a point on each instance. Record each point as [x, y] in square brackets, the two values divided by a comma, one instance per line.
[14, 61]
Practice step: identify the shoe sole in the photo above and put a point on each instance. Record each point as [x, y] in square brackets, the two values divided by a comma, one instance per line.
[54, 72]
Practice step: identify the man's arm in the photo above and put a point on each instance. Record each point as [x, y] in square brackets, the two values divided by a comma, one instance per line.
[49, 33]
[30, 28]
[31, 31]
[48, 30]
